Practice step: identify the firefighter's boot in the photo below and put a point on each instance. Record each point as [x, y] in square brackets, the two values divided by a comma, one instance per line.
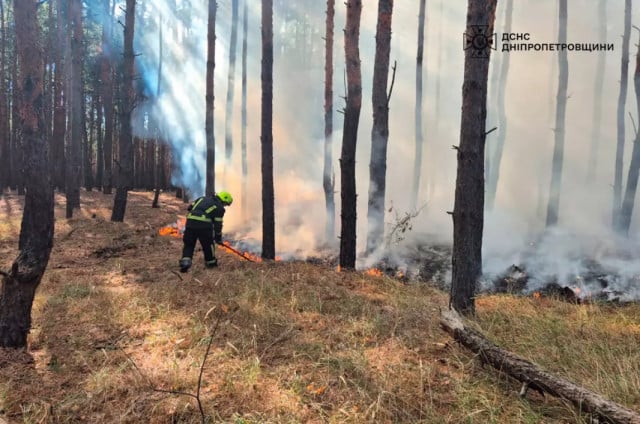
[185, 264]
[212, 263]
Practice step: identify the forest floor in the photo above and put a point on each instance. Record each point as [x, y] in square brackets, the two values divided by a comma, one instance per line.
[114, 324]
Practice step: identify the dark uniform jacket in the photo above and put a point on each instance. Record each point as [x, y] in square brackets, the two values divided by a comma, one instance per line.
[206, 212]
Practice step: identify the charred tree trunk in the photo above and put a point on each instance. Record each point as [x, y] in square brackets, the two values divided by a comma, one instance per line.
[468, 210]
[417, 160]
[268, 211]
[553, 206]
[36, 233]
[5, 172]
[348, 193]
[328, 176]
[106, 76]
[622, 99]
[243, 140]
[74, 160]
[211, 65]
[228, 119]
[532, 376]
[125, 153]
[496, 160]
[380, 130]
[597, 99]
[634, 167]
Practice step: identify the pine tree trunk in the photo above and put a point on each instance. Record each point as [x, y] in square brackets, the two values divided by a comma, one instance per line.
[20, 284]
[16, 153]
[468, 210]
[58, 162]
[5, 171]
[87, 151]
[496, 160]
[561, 107]
[380, 130]
[211, 65]
[597, 99]
[106, 75]
[350, 136]
[328, 177]
[268, 212]
[159, 176]
[622, 99]
[228, 120]
[74, 159]
[634, 167]
[419, 138]
[125, 153]
[99, 138]
[243, 140]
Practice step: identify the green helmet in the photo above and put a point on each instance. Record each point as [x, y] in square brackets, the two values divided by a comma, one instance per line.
[225, 197]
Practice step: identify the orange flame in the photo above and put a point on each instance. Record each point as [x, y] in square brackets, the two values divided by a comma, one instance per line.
[536, 295]
[174, 230]
[338, 268]
[374, 271]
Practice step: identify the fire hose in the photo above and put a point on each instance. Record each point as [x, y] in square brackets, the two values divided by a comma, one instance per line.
[231, 249]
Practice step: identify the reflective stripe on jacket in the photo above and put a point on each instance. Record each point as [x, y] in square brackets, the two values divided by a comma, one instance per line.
[206, 211]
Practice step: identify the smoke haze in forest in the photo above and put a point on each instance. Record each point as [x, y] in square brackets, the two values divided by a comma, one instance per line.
[521, 200]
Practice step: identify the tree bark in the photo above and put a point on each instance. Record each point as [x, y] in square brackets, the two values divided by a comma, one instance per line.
[4, 128]
[328, 177]
[74, 159]
[36, 234]
[597, 99]
[419, 137]
[243, 136]
[58, 159]
[159, 174]
[211, 65]
[380, 130]
[496, 160]
[107, 98]
[16, 152]
[99, 135]
[348, 193]
[125, 153]
[622, 99]
[634, 167]
[87, 134]
[532, 376]
[268, 210]
[228, 120]
[468, 211]
[553, 206]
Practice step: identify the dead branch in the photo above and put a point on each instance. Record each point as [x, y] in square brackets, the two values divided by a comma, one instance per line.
[196, 396]
[393, 80]
[179, 276]
[281, 338]
[490, 131]
[533, 376]
[635, 129]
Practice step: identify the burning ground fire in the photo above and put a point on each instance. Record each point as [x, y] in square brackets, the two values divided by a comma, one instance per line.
[177, 230]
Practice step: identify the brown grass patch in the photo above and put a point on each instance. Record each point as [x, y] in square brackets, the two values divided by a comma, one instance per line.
[297, 342]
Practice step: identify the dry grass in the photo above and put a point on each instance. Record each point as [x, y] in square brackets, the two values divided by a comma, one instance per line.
[296, 343]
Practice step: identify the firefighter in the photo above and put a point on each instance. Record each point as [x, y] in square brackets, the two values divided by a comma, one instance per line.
[204, 223]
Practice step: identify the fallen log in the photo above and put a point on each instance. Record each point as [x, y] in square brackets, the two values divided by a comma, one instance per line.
[532, 376]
